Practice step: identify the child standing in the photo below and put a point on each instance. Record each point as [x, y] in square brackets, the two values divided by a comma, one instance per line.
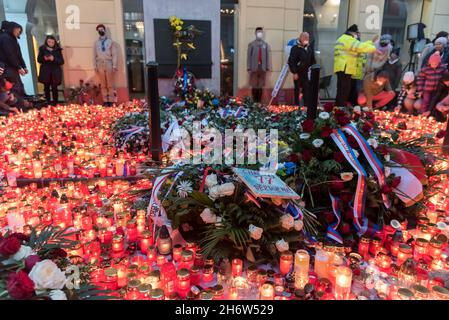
[428, 80]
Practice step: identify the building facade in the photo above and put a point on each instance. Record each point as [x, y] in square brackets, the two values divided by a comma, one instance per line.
[130, 24]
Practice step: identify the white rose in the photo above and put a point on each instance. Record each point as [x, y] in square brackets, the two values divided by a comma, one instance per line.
[255, 232]
[387, 157]
[346, 176]
[373, 143]
[357, 109]
[208, 216]
[47, 275]
[317, 143]
[23, 253]
[211, 180]
[298, 225]
[324, 115]
[304, 136]
[366, 109]
[281, 245]
[287, 221]
[57, 295]
[227, 189]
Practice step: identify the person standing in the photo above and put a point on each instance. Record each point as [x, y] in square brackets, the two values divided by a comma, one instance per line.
[347, 50]
[258, 64]
[394, 68]
[302, 57]
[105, 62]
[50, 74]
[11, 56]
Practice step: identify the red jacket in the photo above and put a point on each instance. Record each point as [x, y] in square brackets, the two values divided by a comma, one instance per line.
[428, 78]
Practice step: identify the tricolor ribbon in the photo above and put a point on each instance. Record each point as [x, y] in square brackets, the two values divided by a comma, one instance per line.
[360, 222]
[184, 88]
[295, 211]
[372, 159]
[332, 228]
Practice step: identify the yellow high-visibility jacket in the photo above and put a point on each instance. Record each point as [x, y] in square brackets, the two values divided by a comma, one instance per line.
[361, 61]
[347, 50]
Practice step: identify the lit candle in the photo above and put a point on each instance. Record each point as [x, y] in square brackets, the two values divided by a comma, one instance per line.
[343, 281]
[237, 267]
[183, 282]
[233, 293]
[145, 242]
[266, 291]
[321, 264]
[177, 252]
[302, 260]
[37, 167]
[286, 262]
[118, 244]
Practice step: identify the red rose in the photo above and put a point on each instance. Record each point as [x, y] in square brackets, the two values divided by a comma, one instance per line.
[396, 182]
[20, 286]
[307, 126]
[339, 113]
[9, 246]
[349, 215]
[345, 228]
[441, 134]
[306, 155]
[346, 196]
[382, 150]
[329, 217]
[20, 236]
[370, 115]
[386, 189]
[58, 253]
[293, 158]
[328, 106]
[343, 120]
[339, 157]
[30, 261]
[336, 184]
[326, 132]
[367, 127]
[353, 142]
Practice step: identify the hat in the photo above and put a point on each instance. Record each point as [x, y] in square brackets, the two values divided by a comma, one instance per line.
[441, 40]
[386, 38]
[435, 58]
[409, 77]
[101, 26]
[353, 28]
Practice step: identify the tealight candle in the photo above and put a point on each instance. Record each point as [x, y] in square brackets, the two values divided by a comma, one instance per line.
[266, 292]
[286, 262]
[177, 252]
[145, 242]
[321, 264]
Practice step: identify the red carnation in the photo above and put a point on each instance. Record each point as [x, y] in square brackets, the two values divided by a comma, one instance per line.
[441, 134]
[346, 196]
[307, 126]
[306, 155]
[370, 115]
[328, 106]
[336, 184]
[329, 217]
[345, 228]
[339, 113]
[20, 236]
[343, 120]
[382, 150]
[339, 157]
[326, 132]
[396, 182]
[9, 246]
[386, 189]
[120, 231]
[20, 286]
[30, 261]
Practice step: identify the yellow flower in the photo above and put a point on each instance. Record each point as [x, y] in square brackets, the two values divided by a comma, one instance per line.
[190, 45]
[179, 28]
[184, 56]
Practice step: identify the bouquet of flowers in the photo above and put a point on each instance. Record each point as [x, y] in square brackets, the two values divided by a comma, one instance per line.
[85, 93]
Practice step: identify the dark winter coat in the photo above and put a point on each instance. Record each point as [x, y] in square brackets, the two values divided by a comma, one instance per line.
[394, 73]
[10, 53]
[50, 71]
[301, 59]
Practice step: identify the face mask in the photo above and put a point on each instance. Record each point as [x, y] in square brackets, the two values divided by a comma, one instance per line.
[259, 35]
[101, 33]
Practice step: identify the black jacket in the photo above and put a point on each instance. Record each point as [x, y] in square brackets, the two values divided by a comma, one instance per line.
[50, 71]
[300, 59]
[10, 53]
[394, 72]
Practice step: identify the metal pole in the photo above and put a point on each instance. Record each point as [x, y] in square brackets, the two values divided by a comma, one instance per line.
[154, 112]
[315, 89]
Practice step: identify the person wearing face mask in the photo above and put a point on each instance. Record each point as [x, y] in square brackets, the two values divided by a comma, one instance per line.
[377, 59]
[302, 57]
[377, 91]
[394, 68]
[258, 64]
[11, 56]
[346, 53]
[105, 62]
[429, 49]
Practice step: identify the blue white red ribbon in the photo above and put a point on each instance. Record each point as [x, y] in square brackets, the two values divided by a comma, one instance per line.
[295, 211]
[184, 88]
[372, 159]
[332, 228]
[360, 222]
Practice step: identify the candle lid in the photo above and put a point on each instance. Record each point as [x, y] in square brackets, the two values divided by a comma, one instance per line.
[134, 284]
[187, 254]
[155, 274]
[144, 288]
[205, 295]
[441, 290]
[405, 293]
[157, 293]
[110, 272]
[420, 289]
[183, 273]
[395, 224]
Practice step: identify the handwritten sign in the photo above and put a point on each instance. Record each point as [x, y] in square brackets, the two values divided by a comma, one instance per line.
[265, 185]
